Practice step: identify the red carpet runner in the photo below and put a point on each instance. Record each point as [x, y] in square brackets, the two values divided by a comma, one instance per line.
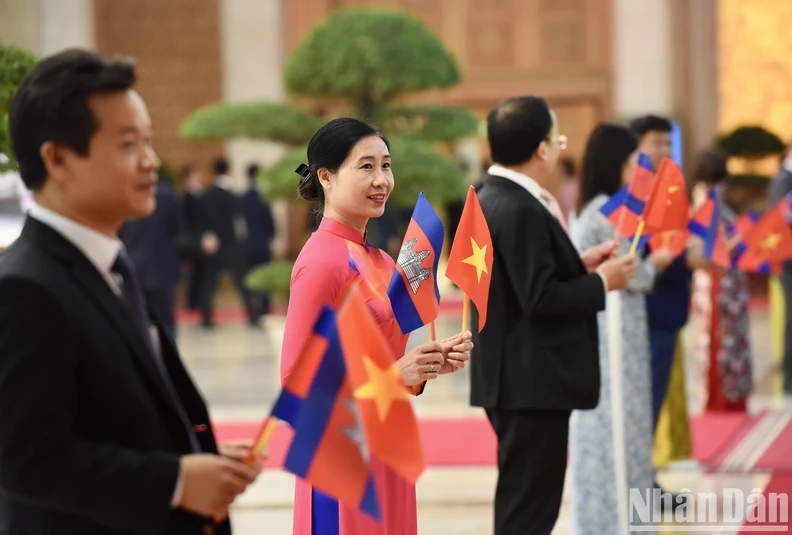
[712, 436]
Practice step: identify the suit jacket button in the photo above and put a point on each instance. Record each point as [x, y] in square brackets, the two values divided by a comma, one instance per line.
[208, 530]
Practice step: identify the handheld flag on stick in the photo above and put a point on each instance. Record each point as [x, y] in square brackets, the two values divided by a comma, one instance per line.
[471, 257]
[329, 448]
[668, 207]
[770, 239]
[626, 207]
[748, 262]
[413, 290]
[707, 225]
[385, 407]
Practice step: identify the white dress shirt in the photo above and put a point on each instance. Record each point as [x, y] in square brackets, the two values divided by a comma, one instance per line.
[532, 187]
[101, 251]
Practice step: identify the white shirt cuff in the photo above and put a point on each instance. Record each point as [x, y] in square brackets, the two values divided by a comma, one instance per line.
[177, 492]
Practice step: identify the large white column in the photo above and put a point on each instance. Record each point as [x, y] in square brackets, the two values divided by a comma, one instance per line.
[64, 24]
[252, 62]
[252, 52]
[642, 68]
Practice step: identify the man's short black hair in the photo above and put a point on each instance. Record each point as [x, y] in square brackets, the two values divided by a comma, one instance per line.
[650, 123]
[517, 127]
[51, 104]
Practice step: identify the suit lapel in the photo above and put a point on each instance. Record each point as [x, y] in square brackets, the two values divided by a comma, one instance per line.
[95, 286]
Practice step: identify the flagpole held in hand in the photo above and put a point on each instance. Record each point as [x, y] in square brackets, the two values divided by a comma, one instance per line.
[637, 237]
[465, 313]
[265, 434]
[432, 331]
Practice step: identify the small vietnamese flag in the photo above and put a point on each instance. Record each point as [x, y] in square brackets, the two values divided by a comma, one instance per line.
[385, 404]
[668, 207]
[770, 238]
[471, 256]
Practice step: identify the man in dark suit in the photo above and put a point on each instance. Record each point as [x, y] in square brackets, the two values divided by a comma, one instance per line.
[260, 227]
[153, 245]
[103, 431]
[780, 186]
[537, 357]
[224, 219]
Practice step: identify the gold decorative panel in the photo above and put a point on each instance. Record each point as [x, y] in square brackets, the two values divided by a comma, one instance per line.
[755, 82]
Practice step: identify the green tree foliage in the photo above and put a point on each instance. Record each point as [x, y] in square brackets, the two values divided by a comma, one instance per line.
[365, 59]
[751, 142]
[369, 56]
[252, 120]
[15, 63]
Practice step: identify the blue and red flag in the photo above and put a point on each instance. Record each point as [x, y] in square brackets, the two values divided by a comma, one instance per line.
[741, 226]
[706, 224]
[329, 447]
[413, 290]
[626, 207]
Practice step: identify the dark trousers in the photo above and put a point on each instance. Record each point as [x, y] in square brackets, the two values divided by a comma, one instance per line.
[786, 284]
[532, 461]
[260, 301]
[214, 266]
[163, 302]
[663, 344]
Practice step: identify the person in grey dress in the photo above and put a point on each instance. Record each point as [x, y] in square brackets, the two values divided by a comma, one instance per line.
[609, 162]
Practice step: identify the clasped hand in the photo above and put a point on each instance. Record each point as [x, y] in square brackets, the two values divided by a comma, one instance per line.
[431, 359]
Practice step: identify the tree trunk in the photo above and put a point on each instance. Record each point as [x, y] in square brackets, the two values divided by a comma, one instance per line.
[366, 110]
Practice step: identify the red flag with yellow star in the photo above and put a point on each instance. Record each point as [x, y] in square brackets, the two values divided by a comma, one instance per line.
[470, 259]
[385, 403]
[668, 207]
[771, 238]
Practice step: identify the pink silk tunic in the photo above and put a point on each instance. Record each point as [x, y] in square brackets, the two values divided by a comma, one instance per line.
[333, 256]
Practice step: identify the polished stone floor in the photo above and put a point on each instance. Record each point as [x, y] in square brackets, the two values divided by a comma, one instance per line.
[237, 369]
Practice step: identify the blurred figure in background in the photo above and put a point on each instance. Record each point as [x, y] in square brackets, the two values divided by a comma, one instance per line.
[224, 220]
[260, 233]
[569, 190]
[780, 187]
[654, 136]
[667, 308]
[195, 213]
[608, 165]
[723, 298]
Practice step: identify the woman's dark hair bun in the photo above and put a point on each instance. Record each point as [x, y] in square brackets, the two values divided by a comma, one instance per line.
[309, 188]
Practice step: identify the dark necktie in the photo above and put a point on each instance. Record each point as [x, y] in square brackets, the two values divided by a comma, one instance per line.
[136, 303]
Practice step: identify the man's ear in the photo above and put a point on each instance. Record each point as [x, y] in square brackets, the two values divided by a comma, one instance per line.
[542, 150]
[55, 159]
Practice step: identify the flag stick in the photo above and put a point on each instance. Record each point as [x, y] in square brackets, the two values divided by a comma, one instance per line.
[261, 442]
[637, 237]
[265, 434]
[432, 331]
[465, 313]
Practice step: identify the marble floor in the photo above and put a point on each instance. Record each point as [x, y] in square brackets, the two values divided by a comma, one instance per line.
[237, 369]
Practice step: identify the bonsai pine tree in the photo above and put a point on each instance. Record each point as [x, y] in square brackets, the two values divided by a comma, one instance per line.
[358, 62]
